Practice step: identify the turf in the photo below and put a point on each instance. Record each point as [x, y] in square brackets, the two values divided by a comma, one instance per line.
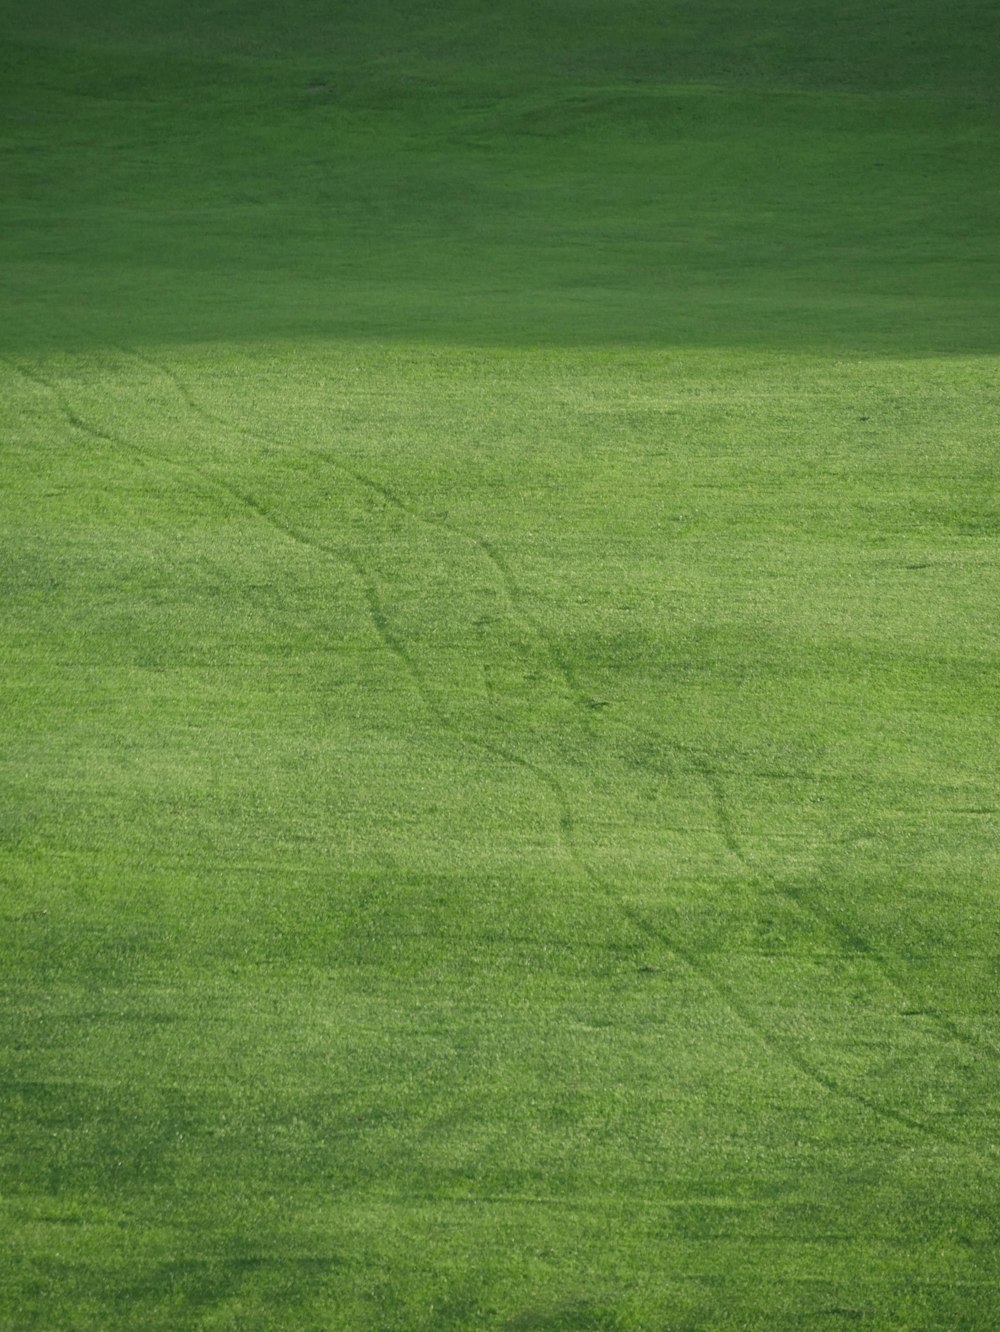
[498, 666]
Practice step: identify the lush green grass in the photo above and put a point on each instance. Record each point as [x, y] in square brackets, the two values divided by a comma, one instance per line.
[498, 823]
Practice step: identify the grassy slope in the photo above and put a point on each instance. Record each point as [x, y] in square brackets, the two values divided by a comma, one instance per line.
[498, 819]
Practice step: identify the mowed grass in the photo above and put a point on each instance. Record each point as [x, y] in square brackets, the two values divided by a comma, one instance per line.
[498, 669]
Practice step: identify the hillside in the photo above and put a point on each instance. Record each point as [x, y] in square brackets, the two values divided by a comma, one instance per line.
[498, 795]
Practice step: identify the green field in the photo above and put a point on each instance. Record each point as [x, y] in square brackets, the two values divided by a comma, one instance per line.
[498, 802]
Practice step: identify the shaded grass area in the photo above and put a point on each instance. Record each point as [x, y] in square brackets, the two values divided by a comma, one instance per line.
[498, 818]
[258, 179]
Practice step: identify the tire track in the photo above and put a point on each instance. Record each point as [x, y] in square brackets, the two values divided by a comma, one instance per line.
[522, 615]
[148, 460]
[215, 485]
[848, 938]
[566, 824]
[567, 828]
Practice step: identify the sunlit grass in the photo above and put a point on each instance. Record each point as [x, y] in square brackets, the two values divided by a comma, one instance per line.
[498, 818]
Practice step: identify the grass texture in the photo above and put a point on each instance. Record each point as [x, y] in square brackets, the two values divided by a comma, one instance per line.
[498, 665]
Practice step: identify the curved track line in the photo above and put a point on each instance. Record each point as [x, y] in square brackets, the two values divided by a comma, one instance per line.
[561, 667]
[527, 620]
[845, 935]
[566, 825]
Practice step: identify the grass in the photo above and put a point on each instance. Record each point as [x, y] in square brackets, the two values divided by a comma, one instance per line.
[498, 821]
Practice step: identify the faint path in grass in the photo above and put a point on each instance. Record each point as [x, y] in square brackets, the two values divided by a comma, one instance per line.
[692, 759]
[520, 611]
[219, 484]
[850, 940]
[394, 644]
[151, 461]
